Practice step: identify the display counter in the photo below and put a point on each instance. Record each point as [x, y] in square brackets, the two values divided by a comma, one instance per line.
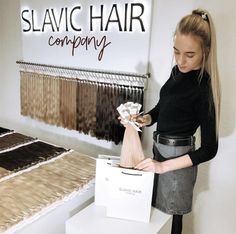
[41, 185]
[93, 220]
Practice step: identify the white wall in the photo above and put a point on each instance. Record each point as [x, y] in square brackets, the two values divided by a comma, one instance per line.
[214, 209]
[10, 49]
[123, 42]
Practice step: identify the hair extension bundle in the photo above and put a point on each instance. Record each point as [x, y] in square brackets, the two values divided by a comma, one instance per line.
[131, 151]
[91, 115]
[13, 139]
[4, 130]
[28, 155]
[52, 98]
[79, 112]
[103, 110]
[24, 93]
[67, 103]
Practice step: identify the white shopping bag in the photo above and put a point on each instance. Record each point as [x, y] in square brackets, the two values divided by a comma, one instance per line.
[103, 163]
[130, 194]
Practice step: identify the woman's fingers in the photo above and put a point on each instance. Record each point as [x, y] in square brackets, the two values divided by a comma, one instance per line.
[144, 164]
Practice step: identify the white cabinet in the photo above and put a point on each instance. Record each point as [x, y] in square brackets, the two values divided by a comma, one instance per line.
[93, 220]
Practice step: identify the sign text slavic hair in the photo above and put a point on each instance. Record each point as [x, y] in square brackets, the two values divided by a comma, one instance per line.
[79, 19]
[68, 18]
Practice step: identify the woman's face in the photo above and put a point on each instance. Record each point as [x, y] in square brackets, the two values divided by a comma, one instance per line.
[188, 52]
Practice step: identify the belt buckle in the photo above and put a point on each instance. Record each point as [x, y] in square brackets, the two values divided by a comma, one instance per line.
[171, 141]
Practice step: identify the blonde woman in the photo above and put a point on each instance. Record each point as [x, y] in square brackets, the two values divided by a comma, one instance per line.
[189, 99]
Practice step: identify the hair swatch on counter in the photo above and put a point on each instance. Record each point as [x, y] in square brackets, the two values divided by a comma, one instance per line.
[29, 155]
[4, 172]
[32, 193]
[12, 140]
[4, 130]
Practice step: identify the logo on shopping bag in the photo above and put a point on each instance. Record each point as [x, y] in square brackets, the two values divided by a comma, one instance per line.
[130, 191]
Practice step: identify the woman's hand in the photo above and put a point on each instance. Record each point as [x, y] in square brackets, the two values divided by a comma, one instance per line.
[142, 120]
[123, 121]
[151, 165]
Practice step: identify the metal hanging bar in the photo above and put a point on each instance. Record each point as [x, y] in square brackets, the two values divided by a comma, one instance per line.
[100, 76]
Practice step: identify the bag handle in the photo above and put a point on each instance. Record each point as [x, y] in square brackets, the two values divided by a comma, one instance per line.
[132, 174]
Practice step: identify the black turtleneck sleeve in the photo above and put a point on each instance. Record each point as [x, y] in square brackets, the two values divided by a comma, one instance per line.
[205, 114]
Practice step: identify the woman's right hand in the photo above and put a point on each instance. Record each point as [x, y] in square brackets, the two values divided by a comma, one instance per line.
[142, 120]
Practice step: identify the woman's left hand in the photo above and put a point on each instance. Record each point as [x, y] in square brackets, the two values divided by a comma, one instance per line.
[150, 165]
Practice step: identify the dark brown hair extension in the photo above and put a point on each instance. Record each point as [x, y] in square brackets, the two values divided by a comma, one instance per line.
[13, 139]
[72, 104]
[102, 108]
[92, 108]
[86, 106]
[28, 155]
[4, 130]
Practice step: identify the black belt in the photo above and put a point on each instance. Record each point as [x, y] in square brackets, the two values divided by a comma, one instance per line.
[174, 140]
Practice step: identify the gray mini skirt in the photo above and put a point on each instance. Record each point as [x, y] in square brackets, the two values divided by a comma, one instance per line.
[173, 191]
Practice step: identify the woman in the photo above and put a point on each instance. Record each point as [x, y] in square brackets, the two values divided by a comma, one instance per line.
[189, 99]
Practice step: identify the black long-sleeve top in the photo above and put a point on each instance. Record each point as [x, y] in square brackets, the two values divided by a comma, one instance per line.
[184, 105]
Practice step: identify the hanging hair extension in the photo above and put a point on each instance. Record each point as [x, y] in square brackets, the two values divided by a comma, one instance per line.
[72, 104]
[91, 111]
[199, 24]
[79, 109]
[102, 112]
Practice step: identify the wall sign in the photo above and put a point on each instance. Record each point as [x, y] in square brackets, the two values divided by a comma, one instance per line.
[87, 31]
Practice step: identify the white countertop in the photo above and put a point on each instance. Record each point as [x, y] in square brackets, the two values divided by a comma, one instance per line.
[93, 220]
